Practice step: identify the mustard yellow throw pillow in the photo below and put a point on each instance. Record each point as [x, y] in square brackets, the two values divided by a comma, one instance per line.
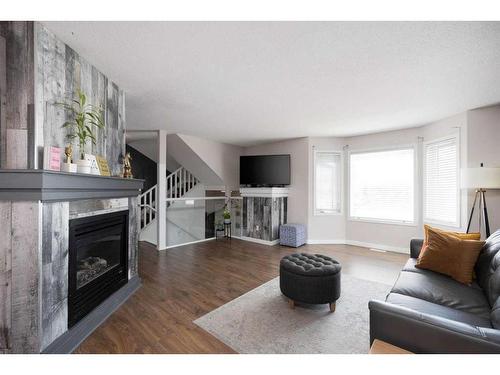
[448, 254]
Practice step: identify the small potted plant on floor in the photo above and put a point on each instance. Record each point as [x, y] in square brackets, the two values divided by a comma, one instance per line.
[226, 215]
[84, 118]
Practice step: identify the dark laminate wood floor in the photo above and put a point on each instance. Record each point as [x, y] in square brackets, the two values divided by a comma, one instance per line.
[182, 284]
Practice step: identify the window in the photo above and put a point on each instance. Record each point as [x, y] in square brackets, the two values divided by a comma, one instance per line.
[441, 197]
[382, 186]
[327, 182]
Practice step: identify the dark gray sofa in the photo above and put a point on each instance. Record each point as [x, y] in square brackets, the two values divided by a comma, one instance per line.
[427, 312]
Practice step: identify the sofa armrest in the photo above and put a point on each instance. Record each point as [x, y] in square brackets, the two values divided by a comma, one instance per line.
[415, 247]
[424, 333]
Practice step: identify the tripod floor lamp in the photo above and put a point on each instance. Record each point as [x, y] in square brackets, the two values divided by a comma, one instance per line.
[481, 179]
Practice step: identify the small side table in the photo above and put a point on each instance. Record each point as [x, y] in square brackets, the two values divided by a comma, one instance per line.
[219, 231]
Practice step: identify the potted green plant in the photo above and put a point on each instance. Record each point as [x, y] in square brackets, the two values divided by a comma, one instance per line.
[84, 118]
[227, 215]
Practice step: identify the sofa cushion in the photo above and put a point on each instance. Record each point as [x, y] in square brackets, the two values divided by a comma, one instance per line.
[488, 267]
[410, 267]
[495, 314]
[444, 291]
[438, 310]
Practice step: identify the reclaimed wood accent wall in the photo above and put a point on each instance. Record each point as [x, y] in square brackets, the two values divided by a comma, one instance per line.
[60, 72]
[262, 217]
[16, 95]
[36, 71]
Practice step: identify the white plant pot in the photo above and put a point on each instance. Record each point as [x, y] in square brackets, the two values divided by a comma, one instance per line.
[83, 166]
[227, 221]
[69, 167]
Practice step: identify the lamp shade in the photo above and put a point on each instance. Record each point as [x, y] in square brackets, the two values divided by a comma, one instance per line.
[480, 178]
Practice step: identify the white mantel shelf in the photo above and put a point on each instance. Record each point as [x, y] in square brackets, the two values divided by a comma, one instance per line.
[50, 186]
[265, 192]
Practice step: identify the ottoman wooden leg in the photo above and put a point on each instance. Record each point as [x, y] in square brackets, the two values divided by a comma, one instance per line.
[332, 307]
[291, 303]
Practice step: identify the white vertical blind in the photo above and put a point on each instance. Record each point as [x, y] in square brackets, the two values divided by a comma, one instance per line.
[441, 182]
[327, 182]
[382, 185]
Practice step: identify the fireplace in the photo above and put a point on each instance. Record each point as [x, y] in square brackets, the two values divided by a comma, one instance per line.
[98, 261]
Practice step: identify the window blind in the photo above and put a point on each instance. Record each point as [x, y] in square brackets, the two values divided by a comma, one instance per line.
[382, 185]
[327, 182]
[441, 182]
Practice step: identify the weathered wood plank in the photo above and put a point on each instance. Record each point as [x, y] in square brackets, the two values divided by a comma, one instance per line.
[26, 264]
[54, 271]
[17, 149]
[16, 84]
[3, 100]
[5, 309]
[5, 274]
[133, 236]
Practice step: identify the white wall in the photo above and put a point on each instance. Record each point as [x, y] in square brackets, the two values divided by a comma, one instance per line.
[222, 158]
[391, 236]
[394, 236]
[298, 149]
[339, 228]
[484, 147]
[326, 228]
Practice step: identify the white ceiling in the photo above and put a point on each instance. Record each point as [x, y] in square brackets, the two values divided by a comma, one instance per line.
[251, 82]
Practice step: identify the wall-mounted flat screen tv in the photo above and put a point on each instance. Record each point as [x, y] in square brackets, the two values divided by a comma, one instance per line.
[265, 170]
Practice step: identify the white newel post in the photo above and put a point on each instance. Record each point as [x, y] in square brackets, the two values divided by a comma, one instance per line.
[161, 196]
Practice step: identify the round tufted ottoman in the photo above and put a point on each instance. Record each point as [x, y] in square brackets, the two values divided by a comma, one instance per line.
[310, 278]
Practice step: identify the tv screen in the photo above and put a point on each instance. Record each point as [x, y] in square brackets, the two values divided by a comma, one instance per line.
[265, 170]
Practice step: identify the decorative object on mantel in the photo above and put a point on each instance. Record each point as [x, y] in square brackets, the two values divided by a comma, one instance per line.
[103, 166]
[94, 167]
[68, 165]
[480, 179]
[52, 158]
[127, 168]
[84, 116]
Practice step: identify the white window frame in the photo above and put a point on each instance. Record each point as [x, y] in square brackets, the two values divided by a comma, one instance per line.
[416, 192]
[456, 224]
[318, 212]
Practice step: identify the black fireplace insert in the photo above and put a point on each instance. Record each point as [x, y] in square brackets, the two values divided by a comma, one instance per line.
[98, 261]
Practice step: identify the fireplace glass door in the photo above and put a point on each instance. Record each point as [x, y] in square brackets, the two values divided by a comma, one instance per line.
[98, 261]
[97, 253]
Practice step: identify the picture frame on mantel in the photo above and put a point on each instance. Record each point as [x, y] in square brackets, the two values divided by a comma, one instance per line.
[103, 166]
[52, 158]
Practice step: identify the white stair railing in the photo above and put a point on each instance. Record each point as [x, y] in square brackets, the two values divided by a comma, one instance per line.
[147, 205]
[179, 183]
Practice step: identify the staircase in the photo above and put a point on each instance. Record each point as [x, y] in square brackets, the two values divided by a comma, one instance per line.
[179, 183]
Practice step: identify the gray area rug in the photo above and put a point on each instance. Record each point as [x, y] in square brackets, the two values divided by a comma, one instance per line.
[261, 321]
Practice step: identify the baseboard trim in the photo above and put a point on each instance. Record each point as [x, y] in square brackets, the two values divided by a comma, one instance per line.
[259, 241]
[71, 339]
[326, 242]
[393, 249]
[187, 243]
[368, 245]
